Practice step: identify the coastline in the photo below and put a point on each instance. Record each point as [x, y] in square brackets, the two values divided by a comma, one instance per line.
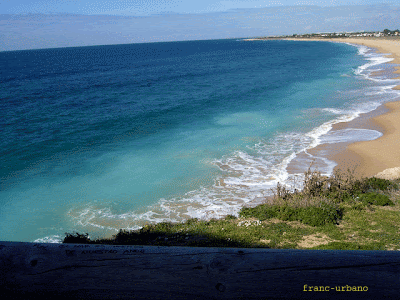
[346, 157]
[379, 157]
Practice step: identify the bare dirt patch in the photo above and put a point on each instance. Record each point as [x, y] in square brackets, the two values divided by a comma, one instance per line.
[314, 240]
[273, 221]
[246, 219]
[364, 240]
[343, 224]
[265, 241]
[392, 247]
[392, 208]
[297, 224]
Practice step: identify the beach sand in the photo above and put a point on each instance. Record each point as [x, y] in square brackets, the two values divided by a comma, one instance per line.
[379, 157]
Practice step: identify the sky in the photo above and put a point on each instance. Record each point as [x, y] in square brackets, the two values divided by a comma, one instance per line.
[37, 24]
[150, 7]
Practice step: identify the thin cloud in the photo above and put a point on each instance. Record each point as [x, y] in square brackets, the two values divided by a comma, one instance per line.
[34, 31]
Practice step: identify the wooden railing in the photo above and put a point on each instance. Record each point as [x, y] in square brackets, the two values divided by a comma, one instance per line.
[75, 271]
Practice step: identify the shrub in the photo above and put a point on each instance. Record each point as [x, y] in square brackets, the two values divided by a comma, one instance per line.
[122, 235]
[339, 196]
[314, 183]
[358, 206]
[230, 217]
[319, 216]
[144, 236]
[163, 226]
[261, 212]
[76, 238]
[191, 221]
[375, 199]
[380, 184]
[287, 213]
[311, 215]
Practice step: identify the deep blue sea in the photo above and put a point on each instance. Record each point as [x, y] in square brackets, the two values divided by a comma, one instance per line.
[97, 139]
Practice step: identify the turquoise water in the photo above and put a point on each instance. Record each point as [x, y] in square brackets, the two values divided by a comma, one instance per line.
[95, 139]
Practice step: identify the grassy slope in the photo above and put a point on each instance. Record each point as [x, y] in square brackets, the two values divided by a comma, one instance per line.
[338, 212]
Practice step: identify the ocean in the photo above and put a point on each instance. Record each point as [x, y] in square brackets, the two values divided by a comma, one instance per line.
[102, 138]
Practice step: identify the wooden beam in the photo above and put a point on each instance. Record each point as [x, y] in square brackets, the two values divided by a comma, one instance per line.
[76, 271]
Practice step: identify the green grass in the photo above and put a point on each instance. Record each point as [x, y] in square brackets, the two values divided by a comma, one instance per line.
[322, 214]
[337, 212]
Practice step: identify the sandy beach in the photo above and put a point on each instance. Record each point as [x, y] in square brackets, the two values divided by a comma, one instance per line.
[381, 156]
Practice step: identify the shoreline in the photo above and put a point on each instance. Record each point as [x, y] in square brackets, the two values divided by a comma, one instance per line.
[379, 157]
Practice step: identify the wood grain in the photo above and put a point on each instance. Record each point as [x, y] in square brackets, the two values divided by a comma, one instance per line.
[72, 271]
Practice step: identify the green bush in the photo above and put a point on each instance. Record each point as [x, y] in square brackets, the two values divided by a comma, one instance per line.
[212, 221]
[319, 216]
[261, 212]
[312, 215]
[358, 206]
[375, 199]
[123, 236]
[76, 238]
[163, 226]
[339, 196]
[287, 213]
[192, 221]
[230, 217]
[380, 184]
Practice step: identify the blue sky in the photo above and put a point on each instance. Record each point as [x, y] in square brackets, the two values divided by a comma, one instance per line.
[149, 7]
[38, 24]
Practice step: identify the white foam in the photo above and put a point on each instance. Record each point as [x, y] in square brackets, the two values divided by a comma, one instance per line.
[319, 131]
[335, 111]
[374, 59]
[387, 90]
[362, 50]
[350, 135]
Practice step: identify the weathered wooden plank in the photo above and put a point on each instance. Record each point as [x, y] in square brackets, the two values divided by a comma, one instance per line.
[71, 271]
